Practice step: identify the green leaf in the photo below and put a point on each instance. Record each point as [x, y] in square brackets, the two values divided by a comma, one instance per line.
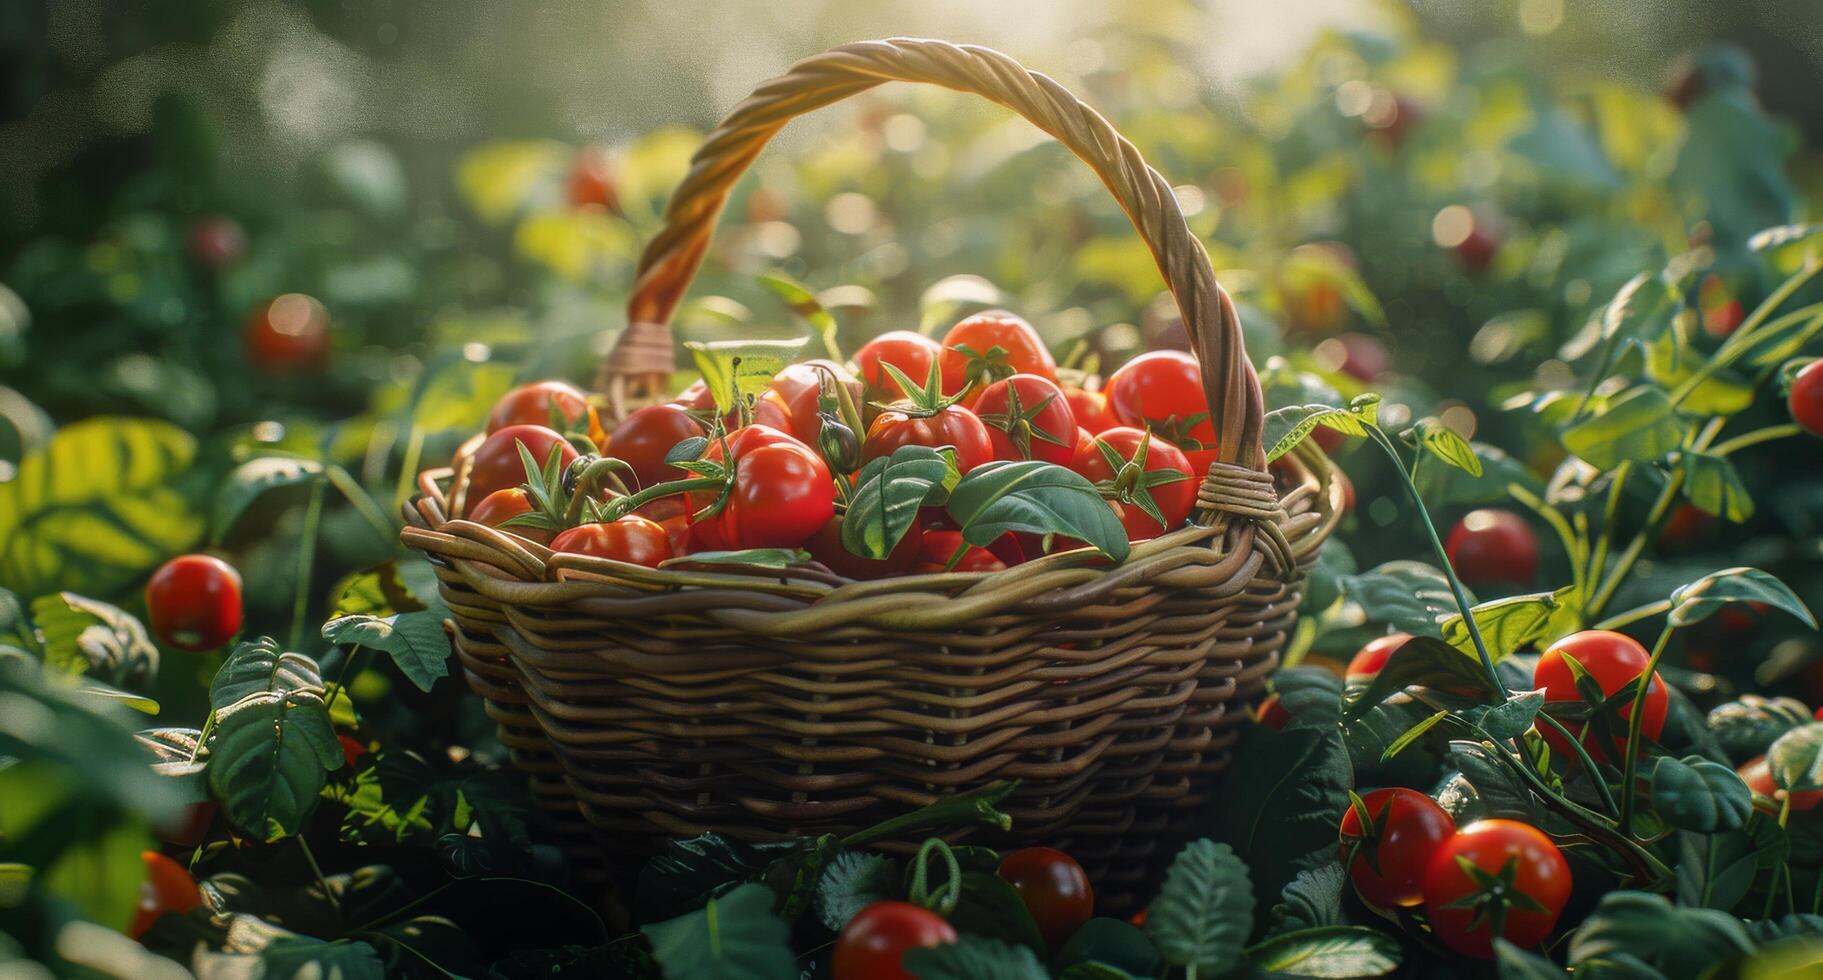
[852, 881]
[1694, 793]
[1713, 485]
[1511, 719]
[260, 949]
[273, 744]
[1796, 759]
[1204, 913]
[258, 667]
[734, 937]
[1113, 943]
[1313, 898]
[1412, 734]
[1702, 598]
[96, 508]
[1409, 596]
[741, 368]
[1297, 787]
[988, 906]
[1518, 964]
[1328, 951]
[415, 641]
[79, 848]
[888, 493]
[1789, 247]
[805, 304]
[1684, 941]
[379, 591]
[1733, 162]
[1717, 870]
[86, 636]
[254, 479]
[16, 629]
[1516, 622]
[1639, 425]
[691, 871]
[1286, 427]
[1037, 497]
[973, 957]
[1746, 727]
[1643, 309]
[1447, 444]
[1424, 662]
[750, 557]
[1445, 486]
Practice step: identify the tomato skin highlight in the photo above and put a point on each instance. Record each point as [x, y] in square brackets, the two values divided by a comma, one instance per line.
[504, 505]
[1024, 351]
[1411, 826]
[531, 405]
[632, 539]
[1175, 500]
[911, 353]
[1162, 390]
[874, 941]
[167, 889]
[1090, 409]
[1043, 411]
[782, 493]
[1806, 398]
[1540, 872]
[289, 335]
[497, 465]
[1373, 656]
[1615, 661]
[194, 602]
[645, 437]
[953, 426]
[1490, 547]
[1054, 888]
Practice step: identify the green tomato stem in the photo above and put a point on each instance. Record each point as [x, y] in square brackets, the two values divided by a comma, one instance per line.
[623, 506]
[300, 604]
[408, 468]
[1736, 344]
[1634, 615]
[970, 808]
[1588, 763]
[1654, 519]
[1757, 436]
[1636, 720]
[363, 503]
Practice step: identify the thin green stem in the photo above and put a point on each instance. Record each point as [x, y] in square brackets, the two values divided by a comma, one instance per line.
[1636, 719]
[1646, 866]
[1609, 347]
[363, 502]
[1634, 615]
[972, 808]
[1654, 519]
[336, 686]
[1756, 437]
[1573, 545]
[408, 468]
[317, 870]
[627, 505]
[300, 603]
[1737, 344]
[1588, 763]
[1610, 514]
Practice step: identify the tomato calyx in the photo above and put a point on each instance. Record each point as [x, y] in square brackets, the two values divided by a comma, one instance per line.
[1495, 894]
[1018, 421]
[554, 506]
[839, 424]
[1598, 713]
[1177, 430]
[1364, 847]
[989, 365]
[1132, 483]
[922, 400]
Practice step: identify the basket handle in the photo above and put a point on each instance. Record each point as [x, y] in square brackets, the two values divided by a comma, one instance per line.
[642, 359]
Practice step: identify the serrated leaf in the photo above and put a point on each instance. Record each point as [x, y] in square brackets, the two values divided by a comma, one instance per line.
[257, 666]
[1702, 598]
[1204, 912]
[1446, 444]
[255, 478]
[1694, 793]
[269, 758]
[741, 368]
[851, 881]
[1511, 719]
[733, 937]
[1037, 497]
[888, 493]
[1328, 951]
[415, 641]
[973, 957]
[1639, 426]
[1713, 485]
[1312, 898]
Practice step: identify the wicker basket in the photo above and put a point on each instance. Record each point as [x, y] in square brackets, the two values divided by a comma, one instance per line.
[650, 704]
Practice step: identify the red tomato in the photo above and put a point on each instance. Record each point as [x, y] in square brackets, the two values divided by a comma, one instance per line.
[592, 179]
[194, 602]
[531, 405]
[167, 889]
[1520, 879]
[632, 539]
[1687, 528]
[768, 409]
[671, 514]
[288, 335]
[1162, 390]
[782, 493]
[953, 426]
[800, 386]
[1271, 713]
[352, 749]
[1372, 657]
[1055, 890]
[1722, 312]
[1028, 417]
[1806, 398]
[1387, 864]
[1475, 253]
[826, 546]
[1175, 500]
[504, 505]
[969, 350]
[1090, 409]
[938, 545]
[1758, 777]
[872, 943]
[911, 353]
[1615, 661]
[642, 440]
[1491, 547]
[497, 465]
[217, 242]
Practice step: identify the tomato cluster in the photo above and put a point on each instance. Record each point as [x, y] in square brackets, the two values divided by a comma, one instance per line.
[681, 477]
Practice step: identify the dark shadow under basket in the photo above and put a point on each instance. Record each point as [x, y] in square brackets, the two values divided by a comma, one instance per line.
[648, 704]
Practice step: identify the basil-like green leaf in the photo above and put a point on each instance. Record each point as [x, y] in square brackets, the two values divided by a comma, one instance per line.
[1036, 497]
[1702, 598]
[1694, 793]
[1640, 426]
[738, 369]
[1713, 485]
[888, 493]
[735, 936]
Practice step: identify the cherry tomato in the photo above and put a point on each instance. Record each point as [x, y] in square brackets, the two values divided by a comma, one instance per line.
[1387, 859]
[911, 353]
[1758, 777]
[936, 547]
[1090, 409]
[194, 602]
[1054, 887]
[1520, 881]
[1615, 661]
[1272, 713]
[504, 505]
[531, 405]
[952, 426]
[1722, 312]
[497, 465]
[1163, 391]
[1806, 398]
[1175, 499]
[1028, 417]
[191, 825]
[592, 179]
[1367, 663]
[217, 242]
[1490, 547]
[1476, 251]
[288, 335]
[167, 889]
[768, 409]
[800, 386]
[782, 493]
[969, 351]
[1687, 528]
[826, 546]
[643, 439]
[632, 539]
[872, 943]
[672, 514]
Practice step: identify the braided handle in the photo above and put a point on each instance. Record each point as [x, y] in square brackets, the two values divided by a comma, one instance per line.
[642, 359]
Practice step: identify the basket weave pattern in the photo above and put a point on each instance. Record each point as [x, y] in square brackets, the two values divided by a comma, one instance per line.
[647, 704]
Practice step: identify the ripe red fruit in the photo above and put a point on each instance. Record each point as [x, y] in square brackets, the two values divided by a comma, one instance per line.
[952, 426]
[1493, 546]
[592, 179]
[826, 546]
[498, 466]
[992, 345]
[531, 405]
[1090, 409]
[1163, 391]
[1614, 661]
[1806, 398]
[644, 438]
[874, 941]
[504, 505]
[938, 546]
[1175, 499]
[1373, 656]
[1388, 854]
[1758, 777]
[1495, 873]
[167, 889]
[782, 493]
[194, 602]
[1028, 417]
[911, 353]
[217, 242]
[1054, 888]
[288, 335]
[632, 539]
